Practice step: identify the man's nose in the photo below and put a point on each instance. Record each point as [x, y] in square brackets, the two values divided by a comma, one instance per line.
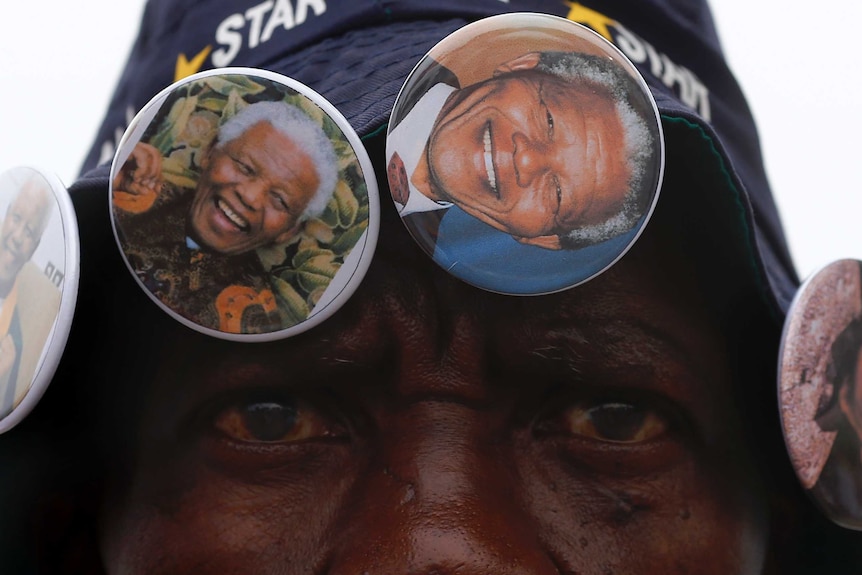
[531, 158]
[251, 193]
[441, 498]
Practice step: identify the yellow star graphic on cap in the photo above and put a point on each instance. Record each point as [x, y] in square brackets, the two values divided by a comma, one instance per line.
[583, 15]
[186, 68]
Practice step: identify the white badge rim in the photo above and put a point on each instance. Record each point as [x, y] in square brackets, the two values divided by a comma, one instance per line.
[55, 344]
[368, 241]
[625, 62]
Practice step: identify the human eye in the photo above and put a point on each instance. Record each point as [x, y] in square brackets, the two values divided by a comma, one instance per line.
[618, 435]
[549, 117]
[558, 190]
[614, 422]
[273, 419]
[269, 433]
[280, 201]
[241, 166]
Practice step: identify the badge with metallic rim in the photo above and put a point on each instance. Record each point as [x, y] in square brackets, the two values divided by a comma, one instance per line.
[525, 154]
[39, 270]
[244, 204]
[820, 389]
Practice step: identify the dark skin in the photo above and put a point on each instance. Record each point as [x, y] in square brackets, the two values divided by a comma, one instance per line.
[432, 428]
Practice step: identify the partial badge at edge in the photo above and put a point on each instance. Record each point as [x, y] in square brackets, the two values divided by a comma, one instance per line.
[820, 389]
[39, 272]
[525, 154]
[244, 204]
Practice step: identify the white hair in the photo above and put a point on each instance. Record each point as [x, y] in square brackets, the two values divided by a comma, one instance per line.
[637, 137]
[302, 131]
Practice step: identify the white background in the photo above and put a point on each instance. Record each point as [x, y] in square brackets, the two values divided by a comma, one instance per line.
[59, 61]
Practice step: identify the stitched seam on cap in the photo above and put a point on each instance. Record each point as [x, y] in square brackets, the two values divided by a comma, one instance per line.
[375, 132]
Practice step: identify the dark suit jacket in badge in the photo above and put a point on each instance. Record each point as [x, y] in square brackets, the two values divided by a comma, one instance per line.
[427, 75]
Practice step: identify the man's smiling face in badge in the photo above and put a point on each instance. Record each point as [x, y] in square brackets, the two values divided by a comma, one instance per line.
[530, 154]
[22, 229]
[252, 192]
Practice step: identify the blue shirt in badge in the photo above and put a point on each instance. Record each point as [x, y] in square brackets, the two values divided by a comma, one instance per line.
[481, 255]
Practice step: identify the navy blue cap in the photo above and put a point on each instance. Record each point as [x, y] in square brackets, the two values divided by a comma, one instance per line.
[357, 54]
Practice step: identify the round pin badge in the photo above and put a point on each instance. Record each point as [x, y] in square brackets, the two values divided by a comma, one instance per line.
[244, 204]
[525, 154]
[820, 389]
[39, 270]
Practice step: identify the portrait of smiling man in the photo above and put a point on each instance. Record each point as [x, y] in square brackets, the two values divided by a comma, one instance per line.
[626, 426]
[259, 185]
[20, 234]
[269, 169]
[555, 149]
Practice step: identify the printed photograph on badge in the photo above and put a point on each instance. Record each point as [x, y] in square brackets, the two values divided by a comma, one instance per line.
[820, 389]
[525, 154]
[38, 277]
[244, 204]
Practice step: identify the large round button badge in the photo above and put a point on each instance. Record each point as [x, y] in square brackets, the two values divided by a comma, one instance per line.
[244, 204]
[525, 154]
[39, 270]
[820, 389]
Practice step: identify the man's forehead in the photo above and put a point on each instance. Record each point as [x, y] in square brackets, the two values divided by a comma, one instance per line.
[31, 201]
[554, 85]
[405, 293]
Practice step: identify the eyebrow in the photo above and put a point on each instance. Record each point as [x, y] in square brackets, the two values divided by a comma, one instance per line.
[178, 396]
[619, 353]
[297, 363]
